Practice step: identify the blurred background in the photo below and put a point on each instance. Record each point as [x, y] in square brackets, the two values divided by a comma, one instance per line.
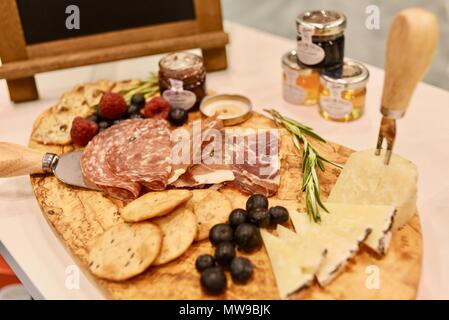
[278, 17]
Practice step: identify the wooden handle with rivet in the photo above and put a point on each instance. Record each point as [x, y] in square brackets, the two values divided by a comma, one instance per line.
[16, 160]
[411, 46]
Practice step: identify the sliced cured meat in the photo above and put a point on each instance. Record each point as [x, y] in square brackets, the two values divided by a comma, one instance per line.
[255, 163]
[93, 161]
[145, 158]
[194, 138]
[201, 174]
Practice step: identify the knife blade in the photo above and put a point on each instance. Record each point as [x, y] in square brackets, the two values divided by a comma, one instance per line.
[16, 160]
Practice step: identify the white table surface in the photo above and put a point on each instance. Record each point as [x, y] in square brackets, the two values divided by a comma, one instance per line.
[41, 261]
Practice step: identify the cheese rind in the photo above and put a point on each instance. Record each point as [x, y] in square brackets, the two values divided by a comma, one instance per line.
[286, 265]
[378, 218]
[342, 239]
[365, 179]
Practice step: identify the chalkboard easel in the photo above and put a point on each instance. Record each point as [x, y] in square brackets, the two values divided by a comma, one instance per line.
[29, 46]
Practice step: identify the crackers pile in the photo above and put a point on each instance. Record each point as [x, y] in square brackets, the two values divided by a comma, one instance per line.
[159, 227]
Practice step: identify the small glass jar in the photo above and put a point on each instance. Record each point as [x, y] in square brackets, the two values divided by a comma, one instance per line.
[343, 99]
[182, 80]
[300, 85]
[321, 40]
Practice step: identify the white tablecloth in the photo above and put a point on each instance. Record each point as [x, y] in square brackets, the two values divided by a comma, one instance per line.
[254, 70]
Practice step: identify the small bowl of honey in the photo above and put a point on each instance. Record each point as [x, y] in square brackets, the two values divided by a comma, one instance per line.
[232, 109]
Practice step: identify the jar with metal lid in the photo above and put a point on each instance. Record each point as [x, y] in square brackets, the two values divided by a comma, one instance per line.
[343, 99]
[321, 40]
[182, 80]
[300, 85]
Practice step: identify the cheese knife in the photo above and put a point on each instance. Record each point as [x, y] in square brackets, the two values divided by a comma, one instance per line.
[16, 160]
[411, 46]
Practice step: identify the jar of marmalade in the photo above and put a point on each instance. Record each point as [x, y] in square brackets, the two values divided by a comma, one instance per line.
[182, 80]
[343, 99]
[300, 85]
[321, 40]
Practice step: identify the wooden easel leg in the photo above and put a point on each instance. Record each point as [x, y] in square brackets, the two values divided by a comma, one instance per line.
[21, 90]
[215, 59]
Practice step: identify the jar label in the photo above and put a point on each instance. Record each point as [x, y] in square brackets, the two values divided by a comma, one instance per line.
[177, 97]
[291, 91]
[308, 52]
[334, 104]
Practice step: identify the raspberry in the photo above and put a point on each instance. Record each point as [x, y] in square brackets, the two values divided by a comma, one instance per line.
[157, 108]
[112, 106]
[83, 131]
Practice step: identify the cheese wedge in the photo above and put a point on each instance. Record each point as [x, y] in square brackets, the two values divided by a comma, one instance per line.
[378, 218]
[365, 179]
[286, 265]
[341, 238]
[311, 253]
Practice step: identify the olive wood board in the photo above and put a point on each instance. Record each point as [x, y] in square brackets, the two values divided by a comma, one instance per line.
[79, 216]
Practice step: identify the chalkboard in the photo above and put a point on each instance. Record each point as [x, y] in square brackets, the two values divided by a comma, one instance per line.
[46, 35]
[44, 21]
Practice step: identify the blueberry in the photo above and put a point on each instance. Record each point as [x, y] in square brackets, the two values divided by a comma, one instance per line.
[247, 237]
[219, 233]
[256, 201]
[241, 269]
[178, 116]
[237, 217]
[259, 217]
[93, 118]
[133, 109]
[213, 280]
[136, 116]
[224, 253]
[278, 214]
[204, 261]
[138, 100]
[102, 125]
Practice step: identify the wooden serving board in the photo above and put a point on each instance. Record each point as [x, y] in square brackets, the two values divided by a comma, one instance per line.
[79, 216]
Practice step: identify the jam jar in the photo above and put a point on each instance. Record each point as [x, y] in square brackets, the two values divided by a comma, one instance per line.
[300, 85]
[321, 40]
[343, 99]
[182, 80]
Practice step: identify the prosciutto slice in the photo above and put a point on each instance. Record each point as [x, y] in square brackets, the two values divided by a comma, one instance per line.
[259, 171]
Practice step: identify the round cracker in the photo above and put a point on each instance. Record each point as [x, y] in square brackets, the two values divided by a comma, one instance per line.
[178, 232]
[212, 209]
[197, 196]
[154, 204]
[125, 250]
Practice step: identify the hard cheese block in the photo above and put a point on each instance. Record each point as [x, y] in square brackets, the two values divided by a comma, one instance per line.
[286, 264]
[340, 237]
[365, 179]
[311, 252]
[377, 217]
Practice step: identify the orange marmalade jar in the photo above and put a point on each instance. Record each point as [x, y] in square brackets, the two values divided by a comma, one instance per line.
[300, 85]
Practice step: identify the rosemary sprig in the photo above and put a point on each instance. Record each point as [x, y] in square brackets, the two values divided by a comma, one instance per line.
[311, 162]
[148, 88]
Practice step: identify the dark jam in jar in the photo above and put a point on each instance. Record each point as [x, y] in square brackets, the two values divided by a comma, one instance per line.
[182, 80]
[321, 40]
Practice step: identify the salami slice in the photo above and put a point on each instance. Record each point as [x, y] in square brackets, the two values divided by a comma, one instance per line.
[93, 161]
[145, 159]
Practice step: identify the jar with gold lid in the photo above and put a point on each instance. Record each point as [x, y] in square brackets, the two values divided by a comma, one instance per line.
[300, 85]
[182, 80]
[343, 98]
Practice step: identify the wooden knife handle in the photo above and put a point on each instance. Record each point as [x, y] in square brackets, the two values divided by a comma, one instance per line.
[16, 160]
[411, 46]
